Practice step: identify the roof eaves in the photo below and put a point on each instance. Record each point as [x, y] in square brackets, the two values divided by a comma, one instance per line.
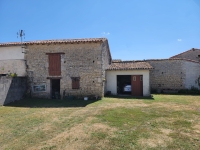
[54, 41]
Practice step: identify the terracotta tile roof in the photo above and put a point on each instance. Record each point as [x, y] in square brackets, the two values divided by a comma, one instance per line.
[71, 41]
[84, 40]
[190, 60]
[193, 49]
[130, 65]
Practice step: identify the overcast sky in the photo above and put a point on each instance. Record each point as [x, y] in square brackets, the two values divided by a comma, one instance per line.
[135, 29]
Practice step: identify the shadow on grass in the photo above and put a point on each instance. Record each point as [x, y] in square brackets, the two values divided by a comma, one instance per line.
[50, 103]
[132, 97]
[178, 94]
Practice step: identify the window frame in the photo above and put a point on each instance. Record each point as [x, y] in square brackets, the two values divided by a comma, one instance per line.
[75, 82]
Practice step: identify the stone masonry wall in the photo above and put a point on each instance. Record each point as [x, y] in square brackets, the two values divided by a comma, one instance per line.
[82, 60]
[167, 74]
[106, 61]
[174, 74]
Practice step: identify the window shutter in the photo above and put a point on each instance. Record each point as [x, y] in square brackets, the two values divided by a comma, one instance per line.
[54, 65]
[75, 82]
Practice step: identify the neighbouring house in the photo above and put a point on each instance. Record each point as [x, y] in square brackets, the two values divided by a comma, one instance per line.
[11, 62]
[133, 74]
[192, 54]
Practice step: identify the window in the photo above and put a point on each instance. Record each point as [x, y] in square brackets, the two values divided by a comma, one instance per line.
[141, 78]
[75, 82]
[134, 78]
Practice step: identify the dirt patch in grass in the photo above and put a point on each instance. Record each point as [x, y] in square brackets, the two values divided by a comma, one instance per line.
[176, 107]
[155, 140]
[197, 128]
[78, 137]
[165, 131]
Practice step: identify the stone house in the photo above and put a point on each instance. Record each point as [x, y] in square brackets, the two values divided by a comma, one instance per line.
[61, 67]
[84, 67]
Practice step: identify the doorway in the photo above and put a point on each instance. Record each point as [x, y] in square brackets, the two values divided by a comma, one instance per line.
[137, 85]
[124, 84]
[55, 88]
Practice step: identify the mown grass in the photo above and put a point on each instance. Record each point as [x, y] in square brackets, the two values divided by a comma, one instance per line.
[164, 122]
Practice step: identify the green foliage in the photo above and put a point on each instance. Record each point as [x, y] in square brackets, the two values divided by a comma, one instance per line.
[12, 75]
[192, 90]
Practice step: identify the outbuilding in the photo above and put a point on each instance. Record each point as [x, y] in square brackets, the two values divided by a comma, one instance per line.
[128, 78]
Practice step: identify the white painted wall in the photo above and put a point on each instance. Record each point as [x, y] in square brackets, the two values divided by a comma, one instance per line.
[13, 66]
[12, 60]
[11, 52]
[192, 73]
[111, 80]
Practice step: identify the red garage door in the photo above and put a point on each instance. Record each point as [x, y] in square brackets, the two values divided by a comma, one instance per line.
[137, 85]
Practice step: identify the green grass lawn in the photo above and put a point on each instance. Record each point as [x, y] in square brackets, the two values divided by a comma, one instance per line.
[164, 122]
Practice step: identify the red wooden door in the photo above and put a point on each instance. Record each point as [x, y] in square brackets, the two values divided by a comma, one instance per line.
[54, 65]
[137, 85]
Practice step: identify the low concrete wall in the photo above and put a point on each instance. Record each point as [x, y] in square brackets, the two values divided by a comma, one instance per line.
[4, 87]
[11, 89]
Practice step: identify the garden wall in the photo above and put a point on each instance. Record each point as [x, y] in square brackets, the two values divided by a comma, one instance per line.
[11, 89]
[173, 74]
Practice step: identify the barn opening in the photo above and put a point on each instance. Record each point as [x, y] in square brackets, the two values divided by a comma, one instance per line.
[124, 84]
[55, 88]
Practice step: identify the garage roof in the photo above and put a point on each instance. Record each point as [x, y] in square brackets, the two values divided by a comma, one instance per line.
[130, 65]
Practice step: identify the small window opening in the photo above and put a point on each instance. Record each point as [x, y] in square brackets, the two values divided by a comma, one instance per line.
[199, 56]
[141, 78]
[134, 78]
[93, 61]
[75, 82]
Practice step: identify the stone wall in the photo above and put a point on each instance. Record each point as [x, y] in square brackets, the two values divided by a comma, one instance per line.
[82, 60]
[173, 74]
[106, 61]
[11, 89]
[167, 74]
